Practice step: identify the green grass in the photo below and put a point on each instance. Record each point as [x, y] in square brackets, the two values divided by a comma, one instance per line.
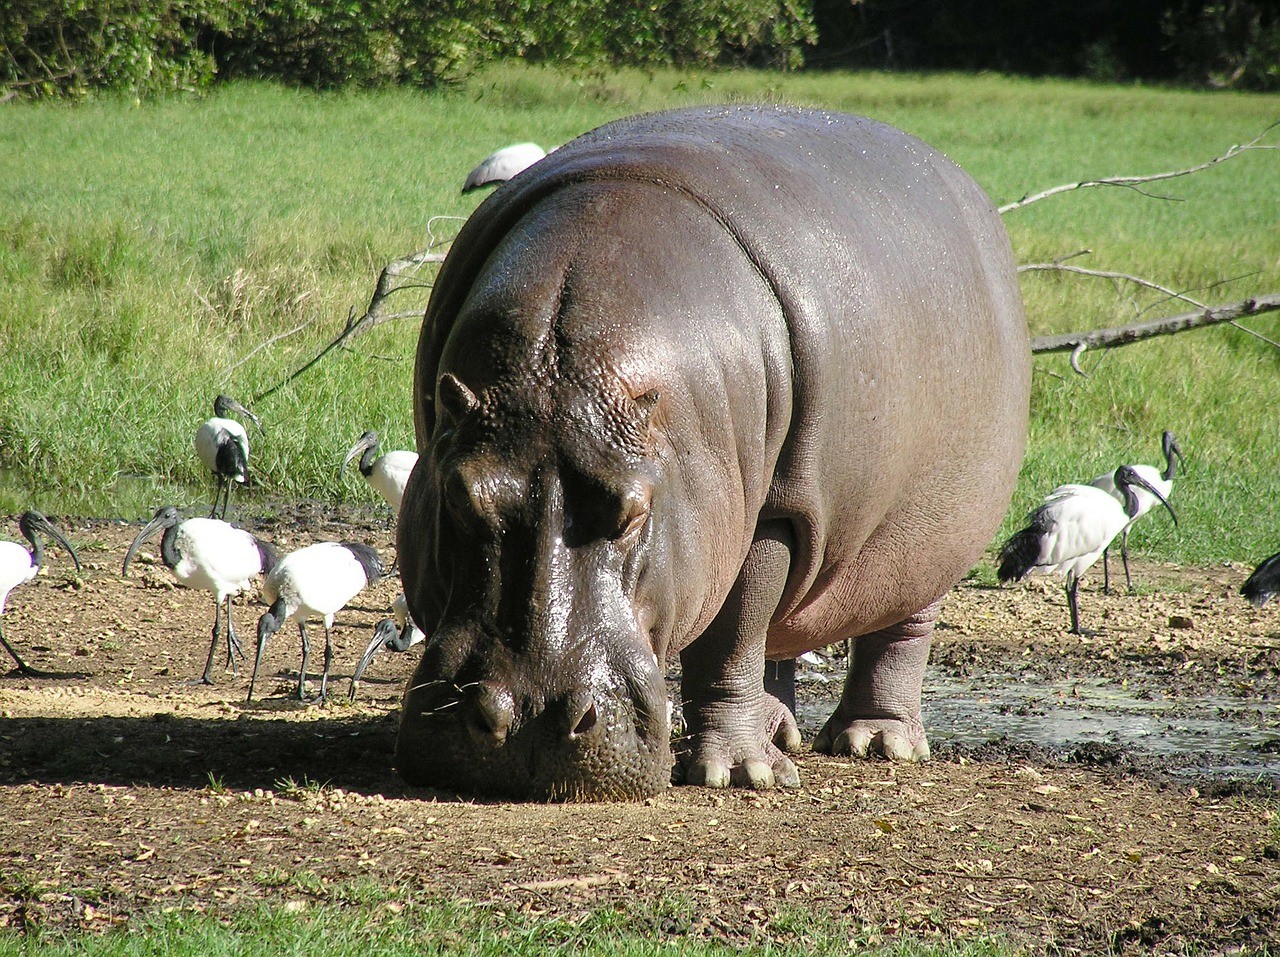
[390, 927]
[149, 251]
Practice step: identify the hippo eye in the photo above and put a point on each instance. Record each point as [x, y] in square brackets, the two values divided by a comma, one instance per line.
[463, 503]
[635, 513]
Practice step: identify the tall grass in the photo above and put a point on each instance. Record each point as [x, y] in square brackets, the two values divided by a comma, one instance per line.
[149, 251]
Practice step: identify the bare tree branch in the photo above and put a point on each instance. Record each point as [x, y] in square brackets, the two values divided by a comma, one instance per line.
[395, 277]
[1079, 342]
[1132, 182]
[1059, 266]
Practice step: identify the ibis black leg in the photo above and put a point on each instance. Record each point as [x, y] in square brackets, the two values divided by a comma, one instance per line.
[233, 643]
[23, 667]
[1072, 586]
[780, 681]
[1106, 571]
[306, 656]
[328, 658]
[207, 677]
[1124, 556]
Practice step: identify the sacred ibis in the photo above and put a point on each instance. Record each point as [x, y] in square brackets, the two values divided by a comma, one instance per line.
[1162, 481]
[1264, 583]
[223, 447]
[1070, 530]
[396, 633]
[211, 555]
[313, 582]
[502, 165]
[18, 565]
[387, 473]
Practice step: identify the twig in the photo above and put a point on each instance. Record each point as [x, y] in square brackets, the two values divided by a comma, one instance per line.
[1058, 266]
[226, 375]
[389, 282]
[1079, 342]
[1131, 182]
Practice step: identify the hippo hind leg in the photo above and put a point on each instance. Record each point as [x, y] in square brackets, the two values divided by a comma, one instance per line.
[879, 712]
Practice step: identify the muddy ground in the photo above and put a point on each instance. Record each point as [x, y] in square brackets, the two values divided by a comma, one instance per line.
[1115, 791]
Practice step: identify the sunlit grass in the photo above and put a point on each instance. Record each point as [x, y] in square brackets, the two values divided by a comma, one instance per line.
[149, 252]
[378, 922]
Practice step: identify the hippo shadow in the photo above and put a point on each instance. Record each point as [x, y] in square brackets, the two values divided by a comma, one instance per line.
[165, 750]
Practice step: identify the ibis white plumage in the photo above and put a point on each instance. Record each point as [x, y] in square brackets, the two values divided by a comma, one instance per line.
[19, 564]
[1162, 481]
[313, 582]
[1067, 534]
[223, 447]
[1264, 584]
[386, 473]
[503, 164]
[397, 633]
[210, 555]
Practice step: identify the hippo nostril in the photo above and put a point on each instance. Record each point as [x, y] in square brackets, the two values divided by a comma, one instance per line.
[586, 721]
[491, 716]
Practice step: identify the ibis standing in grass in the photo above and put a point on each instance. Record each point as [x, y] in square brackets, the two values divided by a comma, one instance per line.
[1260, 587]
[18, 565]
[502, 165]
[211, 555]
[313, 582]
[386, 473]
[1161, 481]
[397, 633]
[1068, 533]
[223, 446]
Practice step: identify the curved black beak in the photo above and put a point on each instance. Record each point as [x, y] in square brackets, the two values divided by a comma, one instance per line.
[159, 520]
[367, 441]
[1135, 479]
[384, 633]
[233, 404]
[41, 523]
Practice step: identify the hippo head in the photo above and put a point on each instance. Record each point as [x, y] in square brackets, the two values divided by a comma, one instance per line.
[525, 544]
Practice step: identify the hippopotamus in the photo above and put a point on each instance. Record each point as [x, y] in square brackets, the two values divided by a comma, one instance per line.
[725, 383]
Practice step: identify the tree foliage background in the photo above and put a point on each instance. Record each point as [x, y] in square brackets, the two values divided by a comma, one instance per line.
[73, 47]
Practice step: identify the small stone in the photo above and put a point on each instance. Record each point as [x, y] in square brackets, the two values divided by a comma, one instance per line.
[1182, 622]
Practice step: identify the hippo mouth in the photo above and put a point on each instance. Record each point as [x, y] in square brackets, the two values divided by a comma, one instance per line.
[617, 750]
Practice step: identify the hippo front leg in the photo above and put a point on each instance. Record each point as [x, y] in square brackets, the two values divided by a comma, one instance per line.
[879, 712]
[734, 725]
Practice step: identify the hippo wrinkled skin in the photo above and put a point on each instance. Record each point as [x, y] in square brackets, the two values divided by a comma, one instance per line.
[730, 383]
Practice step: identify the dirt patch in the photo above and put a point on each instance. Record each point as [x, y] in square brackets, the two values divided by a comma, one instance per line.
[122, 789]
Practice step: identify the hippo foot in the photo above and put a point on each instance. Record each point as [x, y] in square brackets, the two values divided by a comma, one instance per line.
[720, 758]
[862, 737]
[723, 764]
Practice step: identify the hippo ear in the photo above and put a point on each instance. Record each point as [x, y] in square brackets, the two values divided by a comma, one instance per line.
[455, 398]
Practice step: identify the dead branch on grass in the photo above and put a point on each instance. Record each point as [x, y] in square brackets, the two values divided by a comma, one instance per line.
[1136, 182]
[1080, 342]
[397, 276]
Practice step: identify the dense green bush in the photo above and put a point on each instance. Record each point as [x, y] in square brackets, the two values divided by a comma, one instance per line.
[52, 47]
[61, 47]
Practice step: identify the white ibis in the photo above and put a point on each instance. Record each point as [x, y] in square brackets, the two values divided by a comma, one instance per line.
[396, 633]
[1264, 584]
[313, 582]
[223, 447]
[502, 165]
[1162, 481]
[386, 473]
[18, 565]
[1071, 529]
[211, 555]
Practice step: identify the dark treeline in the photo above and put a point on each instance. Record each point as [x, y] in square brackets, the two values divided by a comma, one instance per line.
[71, 47]
[1227, 44]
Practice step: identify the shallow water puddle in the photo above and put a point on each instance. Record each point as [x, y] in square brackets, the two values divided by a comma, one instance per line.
[1185, 735]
